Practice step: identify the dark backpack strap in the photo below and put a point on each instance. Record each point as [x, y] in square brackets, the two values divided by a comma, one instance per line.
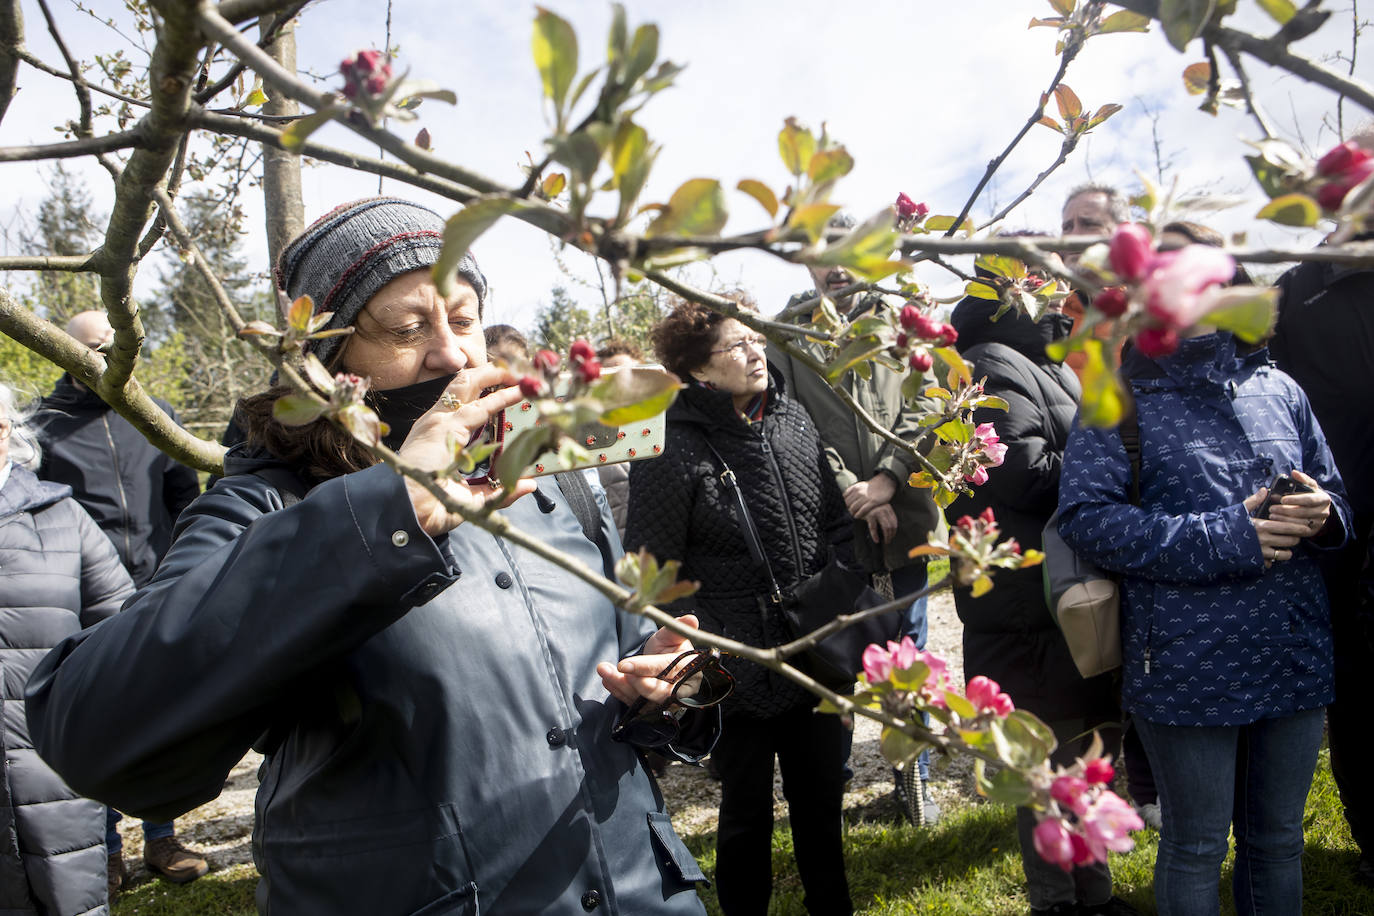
[746, 521]
[1129, 430]
[578, 493]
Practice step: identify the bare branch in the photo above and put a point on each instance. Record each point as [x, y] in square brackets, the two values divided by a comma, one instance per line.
[76, 263]
[87, 146]
[242, 10]
[27, 57]
[1064, 149]
[83, 91]
[1234, 59]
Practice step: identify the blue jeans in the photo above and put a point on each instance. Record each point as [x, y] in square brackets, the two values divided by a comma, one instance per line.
[906, 580]
[114, 843]
[1252, 779]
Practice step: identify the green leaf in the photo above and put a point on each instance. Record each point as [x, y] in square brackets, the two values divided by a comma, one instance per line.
[318, 375]
[553, 184]
[580, 152]
[1197, 77]
[1279, 10]
[873, 238]
[1063, 7]
[256, 97]
[406, 90]
[1024, 730]
[361, 423]
[1057, 350]
[555, 54]
[630, 144]
[957, 703]
[461, 230]
[980, 290]
[797, 145]
[955, 431]
[632, 180]
[944, 223]
[1246, 311]
[958, 366]
[1067, 101]
[519, 453]
[910, 678]
[854, 352]
[696, 208]
[1183, 20]
[1102, 114]
[762, 193]
[812, 219]
[298, 315]
[830, 165]
[297, 410]
[1049, 122]
[1007, 787]
[643, 53]
[1104, 400]
[615, 42]
[1291, 210]
[897, 747]
[635, 393]
[1124, 21]
[297, 132]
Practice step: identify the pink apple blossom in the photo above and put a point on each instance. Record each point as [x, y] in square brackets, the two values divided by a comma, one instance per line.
[1130, 251]
[1332, 194]
[1112, 302]
[1099, 771]
[903, 653]
[1157, 341]
[1107, 825]
[877, 664]
[1341, 159]
[1178, 285]
[906, 207]
[978, 477]
[1053, 844]
[1070, 791]
[991, 446]
[987, 697]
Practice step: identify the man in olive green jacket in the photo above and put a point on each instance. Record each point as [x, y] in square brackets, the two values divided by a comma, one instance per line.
[891, 517]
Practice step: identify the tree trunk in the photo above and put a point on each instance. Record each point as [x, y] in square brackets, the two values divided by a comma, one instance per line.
[281, 171]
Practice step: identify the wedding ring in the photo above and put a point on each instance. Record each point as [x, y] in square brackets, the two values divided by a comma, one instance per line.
[450, 402]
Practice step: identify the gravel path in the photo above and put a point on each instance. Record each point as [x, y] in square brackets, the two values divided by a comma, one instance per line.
[221, 829]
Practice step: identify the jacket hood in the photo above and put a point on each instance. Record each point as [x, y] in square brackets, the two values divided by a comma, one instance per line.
[24, 492]
[245, 459]
[972, 318]
[67, 395]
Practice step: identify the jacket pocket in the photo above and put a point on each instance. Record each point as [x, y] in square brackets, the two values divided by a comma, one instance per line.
[676, 854]
[462, 902]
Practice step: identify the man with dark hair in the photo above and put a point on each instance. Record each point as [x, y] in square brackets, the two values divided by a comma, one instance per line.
[1325, 340]
[135, 493]
[890, 517]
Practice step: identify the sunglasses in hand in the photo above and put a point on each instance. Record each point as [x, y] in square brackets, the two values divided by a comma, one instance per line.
[699, 680]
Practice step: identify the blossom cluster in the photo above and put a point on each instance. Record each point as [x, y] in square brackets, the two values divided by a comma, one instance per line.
[1172, 289]
[880, 663]
[989, 452]
[366, 72]
[919, 333]
[909, 213]
[545, 365]
[1084, 819]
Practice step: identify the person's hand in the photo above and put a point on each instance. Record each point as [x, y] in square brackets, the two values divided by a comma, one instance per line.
[866, 495]
[461, 410]
[1309, 511]
[637, 676]
[882, 524]
[1277, 537]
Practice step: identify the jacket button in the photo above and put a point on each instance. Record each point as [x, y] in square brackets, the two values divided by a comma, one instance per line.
[400, 538]
[556, 737]
[503, 580]
[591, 900]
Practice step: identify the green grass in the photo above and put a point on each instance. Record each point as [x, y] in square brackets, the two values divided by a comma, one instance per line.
[968, 864]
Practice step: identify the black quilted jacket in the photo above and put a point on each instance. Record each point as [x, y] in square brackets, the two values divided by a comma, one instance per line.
[679, 509]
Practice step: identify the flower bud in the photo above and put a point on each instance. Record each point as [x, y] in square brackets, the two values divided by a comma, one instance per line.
[1099, 771]
[1111, 302]
[946, 336]
[964, 522]
[1157, 341]
[901, 341]
[1130, 250]
[987, 516]
[1340, 159]
[590, 370]
[531, 387]
[581, 351]
[906, 207]
[546, 361]
[1332, 194]
[910, 315]
[920, 360]
[375, 85]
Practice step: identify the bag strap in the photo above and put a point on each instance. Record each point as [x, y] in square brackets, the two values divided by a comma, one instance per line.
[751, 532]
[1129, 430]
[578, 493]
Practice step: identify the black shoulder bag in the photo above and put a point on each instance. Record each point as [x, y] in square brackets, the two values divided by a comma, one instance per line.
[815, 601]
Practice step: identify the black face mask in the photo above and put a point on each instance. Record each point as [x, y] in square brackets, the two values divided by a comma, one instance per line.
[399, 408]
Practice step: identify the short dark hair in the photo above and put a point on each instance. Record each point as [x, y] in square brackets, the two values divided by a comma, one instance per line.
[618, 346]
[1199, 234]
[683, 340]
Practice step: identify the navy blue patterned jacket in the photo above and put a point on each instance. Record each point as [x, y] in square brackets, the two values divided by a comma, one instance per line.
[1209, 636]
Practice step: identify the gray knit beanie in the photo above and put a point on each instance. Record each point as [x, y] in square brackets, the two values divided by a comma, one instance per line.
[351, 252]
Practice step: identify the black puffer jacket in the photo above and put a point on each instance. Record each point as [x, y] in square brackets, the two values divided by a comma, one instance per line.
[133, 491]
[1009, 634]
[58, 574]
[680, 510]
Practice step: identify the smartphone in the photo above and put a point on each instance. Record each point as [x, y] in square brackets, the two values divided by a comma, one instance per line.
[604, 444]
[1281, 487]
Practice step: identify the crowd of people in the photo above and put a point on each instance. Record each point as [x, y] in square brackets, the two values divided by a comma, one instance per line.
[451, 724]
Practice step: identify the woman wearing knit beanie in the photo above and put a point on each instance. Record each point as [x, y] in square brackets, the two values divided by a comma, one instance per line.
[435, 704]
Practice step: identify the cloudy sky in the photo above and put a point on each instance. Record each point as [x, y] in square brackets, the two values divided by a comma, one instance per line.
[923, 94]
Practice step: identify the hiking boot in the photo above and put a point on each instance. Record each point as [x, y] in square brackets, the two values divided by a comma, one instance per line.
[115, 875]
[167, 857]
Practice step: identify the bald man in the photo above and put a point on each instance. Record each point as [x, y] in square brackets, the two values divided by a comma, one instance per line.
[134, 493]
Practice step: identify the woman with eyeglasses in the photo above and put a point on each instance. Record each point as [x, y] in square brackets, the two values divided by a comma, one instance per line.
[733, 414]
[436, 705]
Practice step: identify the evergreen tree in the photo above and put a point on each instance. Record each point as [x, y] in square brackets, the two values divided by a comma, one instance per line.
[67, 225]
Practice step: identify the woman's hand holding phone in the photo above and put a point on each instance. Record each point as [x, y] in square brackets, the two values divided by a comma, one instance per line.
[1282, 522]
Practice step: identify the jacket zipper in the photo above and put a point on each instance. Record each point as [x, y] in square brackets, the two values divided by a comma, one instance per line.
[119, 483]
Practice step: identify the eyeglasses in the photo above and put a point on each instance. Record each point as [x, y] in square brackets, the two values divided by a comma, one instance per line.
[699, 681]
[736, 349]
